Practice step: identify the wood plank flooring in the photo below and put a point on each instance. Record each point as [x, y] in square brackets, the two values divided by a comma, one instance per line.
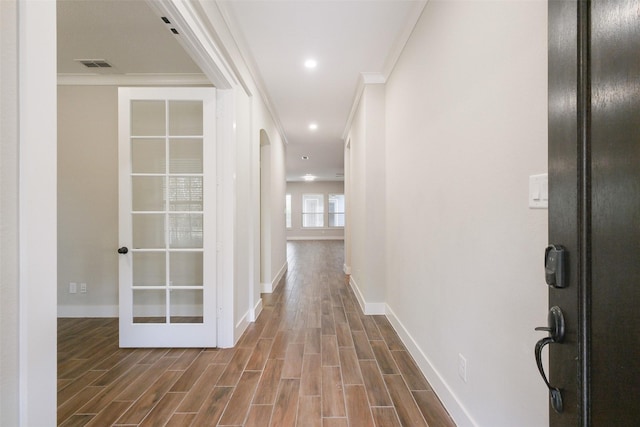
[311, 359]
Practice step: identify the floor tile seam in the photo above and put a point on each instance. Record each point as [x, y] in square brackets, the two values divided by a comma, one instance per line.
[131, 402]
[413, 398]
[148, 387]
[253, 395]
[58, 405]
[158, 400]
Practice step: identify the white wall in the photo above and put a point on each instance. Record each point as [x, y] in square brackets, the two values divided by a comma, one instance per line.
[261, 119]
[365, 178]
[9, 244]
[273, 262]
[27, 213]
[297, 189]
[466, 124]
[243, 214]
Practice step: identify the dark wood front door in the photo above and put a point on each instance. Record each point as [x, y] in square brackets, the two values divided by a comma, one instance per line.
[594, 209]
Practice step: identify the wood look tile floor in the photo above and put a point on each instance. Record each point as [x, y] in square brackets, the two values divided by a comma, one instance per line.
[312, 359]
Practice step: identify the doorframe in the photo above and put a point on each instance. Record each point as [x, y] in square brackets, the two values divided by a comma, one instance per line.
[196, 38]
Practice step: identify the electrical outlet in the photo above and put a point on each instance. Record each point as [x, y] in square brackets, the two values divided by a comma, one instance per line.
[73, 287]
[83, 288]
[462, 367]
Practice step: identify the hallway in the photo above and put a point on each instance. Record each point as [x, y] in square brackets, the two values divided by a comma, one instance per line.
[311, 359]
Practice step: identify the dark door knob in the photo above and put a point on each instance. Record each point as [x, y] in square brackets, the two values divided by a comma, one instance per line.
[555, 328]
[123, 250]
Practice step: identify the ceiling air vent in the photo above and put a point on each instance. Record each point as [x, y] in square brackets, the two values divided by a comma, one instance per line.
[94, 63]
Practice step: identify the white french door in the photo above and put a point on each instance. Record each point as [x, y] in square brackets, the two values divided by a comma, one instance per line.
[167, 217]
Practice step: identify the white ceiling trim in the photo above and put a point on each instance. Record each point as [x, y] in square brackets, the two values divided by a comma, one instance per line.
[394, 54]
[373, 78]
[249, 61]
[197, 41]
[390, 63]
[133, 80]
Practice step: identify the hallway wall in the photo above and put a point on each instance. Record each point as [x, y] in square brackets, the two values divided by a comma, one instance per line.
[466, 124]
[366, 214]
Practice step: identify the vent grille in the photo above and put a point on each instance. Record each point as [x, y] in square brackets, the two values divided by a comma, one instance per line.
[94, 63]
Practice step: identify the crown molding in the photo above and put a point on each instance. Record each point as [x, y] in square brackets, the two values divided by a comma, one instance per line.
[403, 38]
[242, 47]
[373, 78]
[133, 80]
[390, 63]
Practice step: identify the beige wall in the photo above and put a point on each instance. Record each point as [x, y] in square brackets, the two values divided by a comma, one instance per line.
[466, 124]
[88, 199]
[297, 189]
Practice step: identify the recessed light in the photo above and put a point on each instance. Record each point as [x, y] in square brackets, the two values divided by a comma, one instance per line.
[310, 63]
[305, 157]
[313, 126]
[309, 177]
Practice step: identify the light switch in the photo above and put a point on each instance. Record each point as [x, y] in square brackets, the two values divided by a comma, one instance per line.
[538, 191]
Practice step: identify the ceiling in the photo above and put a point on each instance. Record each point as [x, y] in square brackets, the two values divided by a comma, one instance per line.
[345, 37]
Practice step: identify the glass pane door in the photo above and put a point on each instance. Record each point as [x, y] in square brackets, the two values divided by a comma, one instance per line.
[165, 291]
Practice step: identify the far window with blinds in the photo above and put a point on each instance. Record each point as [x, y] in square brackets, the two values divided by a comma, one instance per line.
[287, 210]
[312, 210]
[336, 210]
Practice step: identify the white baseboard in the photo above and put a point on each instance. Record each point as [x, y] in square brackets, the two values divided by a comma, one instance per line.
[257, 309]
[240, 327]
[369, 308]
[268, 288]
[346, 269]
[458, 412]
[315, 238]
[88, 311]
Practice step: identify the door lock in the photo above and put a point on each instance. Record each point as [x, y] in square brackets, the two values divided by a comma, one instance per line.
[555, 260]
[555, 328]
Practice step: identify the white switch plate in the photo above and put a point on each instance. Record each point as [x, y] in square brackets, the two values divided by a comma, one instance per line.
[539, 191]
[462, 367]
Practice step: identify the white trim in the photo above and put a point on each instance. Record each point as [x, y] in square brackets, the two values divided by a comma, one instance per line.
[315, 238]
[346, 269]
[133, 80]
[268, 288]
[371, 308]
[373, 78]
[396, 50]
[241, 326]
[88, 311]
[390, 63]
[244, 51]
[256, 310]
[226, 158]
[454, 406]
[36, 181]
[197, 41]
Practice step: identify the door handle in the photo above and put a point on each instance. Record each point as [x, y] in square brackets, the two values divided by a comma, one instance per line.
[555, 322]
[123, 250]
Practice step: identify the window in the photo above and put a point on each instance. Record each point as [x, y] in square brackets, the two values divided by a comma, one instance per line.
[336, 210]
[287, 210]
[313, 210]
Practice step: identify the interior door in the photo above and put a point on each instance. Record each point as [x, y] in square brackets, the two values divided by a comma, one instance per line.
[594, 209]
[167, 217]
